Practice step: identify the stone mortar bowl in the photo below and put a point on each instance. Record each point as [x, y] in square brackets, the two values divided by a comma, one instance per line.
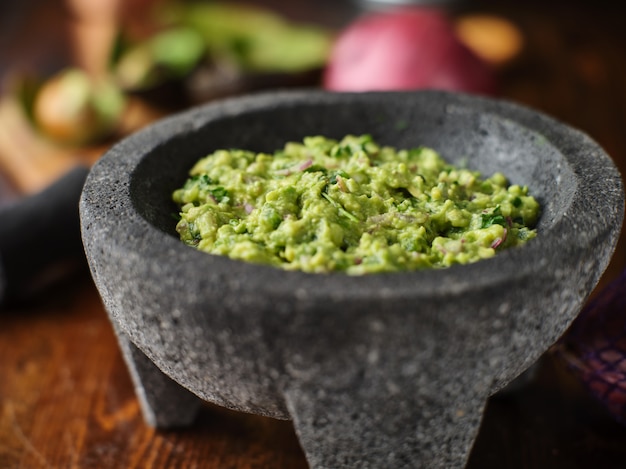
[377, 371]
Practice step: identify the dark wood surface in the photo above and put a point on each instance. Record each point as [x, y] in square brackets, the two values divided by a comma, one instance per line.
[66, 400]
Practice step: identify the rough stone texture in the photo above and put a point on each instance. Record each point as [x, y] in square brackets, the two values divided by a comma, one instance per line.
[377, 371]
[164, 403]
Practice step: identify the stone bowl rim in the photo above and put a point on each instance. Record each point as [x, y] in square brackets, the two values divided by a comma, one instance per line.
[158, 246]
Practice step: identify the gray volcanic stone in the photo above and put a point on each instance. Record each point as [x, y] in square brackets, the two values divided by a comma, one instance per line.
[378, 371]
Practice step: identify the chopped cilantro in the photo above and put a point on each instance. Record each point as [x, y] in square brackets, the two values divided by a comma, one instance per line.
[493, 218]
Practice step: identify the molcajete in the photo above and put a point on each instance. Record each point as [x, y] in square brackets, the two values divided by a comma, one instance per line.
[381, 370]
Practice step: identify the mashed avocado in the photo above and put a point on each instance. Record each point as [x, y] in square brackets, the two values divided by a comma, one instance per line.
[350, 205]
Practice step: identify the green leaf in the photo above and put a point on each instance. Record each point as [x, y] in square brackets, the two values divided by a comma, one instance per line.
[493, 218]
[219, 193]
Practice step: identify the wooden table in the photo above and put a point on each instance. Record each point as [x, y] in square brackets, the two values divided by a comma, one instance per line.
[66, 400]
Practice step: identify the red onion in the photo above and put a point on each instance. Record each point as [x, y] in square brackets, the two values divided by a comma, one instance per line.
[403, 49]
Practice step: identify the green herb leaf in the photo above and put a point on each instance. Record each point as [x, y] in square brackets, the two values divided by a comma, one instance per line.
[315, 168]
[219, 193]
[339, 208]
[341, 172]
[493, 218]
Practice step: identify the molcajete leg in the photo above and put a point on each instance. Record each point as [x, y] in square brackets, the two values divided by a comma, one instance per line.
[365, 428]
[164, 403]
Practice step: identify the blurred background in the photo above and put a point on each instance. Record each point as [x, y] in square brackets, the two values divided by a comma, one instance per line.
[142, 59]
[78, 75]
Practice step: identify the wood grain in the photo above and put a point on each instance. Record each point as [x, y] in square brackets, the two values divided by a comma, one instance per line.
[66, 399]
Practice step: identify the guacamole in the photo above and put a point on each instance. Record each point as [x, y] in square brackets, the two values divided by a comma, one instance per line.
[350, 205]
